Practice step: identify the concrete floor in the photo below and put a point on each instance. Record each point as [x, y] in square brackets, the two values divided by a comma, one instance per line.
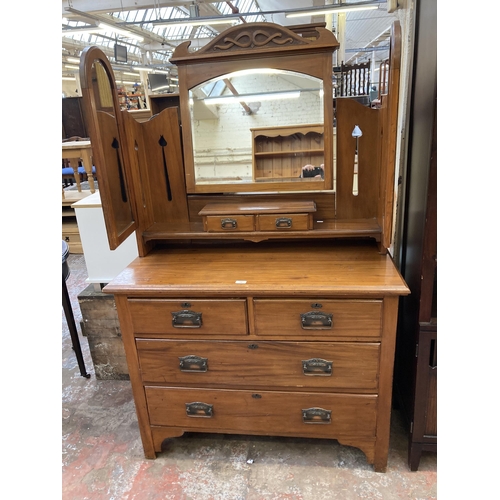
[102, 454]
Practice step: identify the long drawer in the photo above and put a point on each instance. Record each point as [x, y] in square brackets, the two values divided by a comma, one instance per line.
[307, 365]
[189, 317]
[324, 318]
[267, 413]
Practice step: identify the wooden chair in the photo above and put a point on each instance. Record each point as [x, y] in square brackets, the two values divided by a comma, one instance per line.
[354, 80]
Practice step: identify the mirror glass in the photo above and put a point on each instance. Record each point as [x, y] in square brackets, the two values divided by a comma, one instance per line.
[112, 148]
[259, 125]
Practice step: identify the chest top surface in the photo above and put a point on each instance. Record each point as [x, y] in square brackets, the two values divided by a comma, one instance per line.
[281, 268]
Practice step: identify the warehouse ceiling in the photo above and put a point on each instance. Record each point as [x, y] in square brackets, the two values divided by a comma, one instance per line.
[363, 34]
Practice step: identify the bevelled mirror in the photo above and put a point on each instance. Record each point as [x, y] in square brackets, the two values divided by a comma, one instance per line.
[102, 114]
[257, 111]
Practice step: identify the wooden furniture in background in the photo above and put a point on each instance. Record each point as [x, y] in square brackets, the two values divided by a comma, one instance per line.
[80, 150]
[73, 124]
[354, 79]
[415, 388]
[281, 152]
[159, 102]
[310, 318]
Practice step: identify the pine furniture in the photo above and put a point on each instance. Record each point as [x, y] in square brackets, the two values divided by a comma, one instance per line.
[255, 306]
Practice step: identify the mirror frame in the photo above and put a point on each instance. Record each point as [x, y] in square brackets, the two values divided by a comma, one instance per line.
[305, 49]
[110, 202]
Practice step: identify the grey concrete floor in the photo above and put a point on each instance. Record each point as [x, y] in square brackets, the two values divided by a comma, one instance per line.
[102, 454]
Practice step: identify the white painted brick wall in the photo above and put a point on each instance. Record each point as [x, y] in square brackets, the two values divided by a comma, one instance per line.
[223, 146]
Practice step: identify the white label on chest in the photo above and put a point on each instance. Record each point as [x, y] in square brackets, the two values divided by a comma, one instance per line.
[241, 282]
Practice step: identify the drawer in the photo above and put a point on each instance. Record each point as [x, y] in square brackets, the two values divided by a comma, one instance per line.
[284, 222]
[263, 412]
[188, 317]
[217, 223]
[318, 365]
[324, 318]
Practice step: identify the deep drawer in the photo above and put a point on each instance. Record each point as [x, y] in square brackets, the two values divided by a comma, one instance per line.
[325, 318]
[265, 412]
[189, 317]
[305, 365]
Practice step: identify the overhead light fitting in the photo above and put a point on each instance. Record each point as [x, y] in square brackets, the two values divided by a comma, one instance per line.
[268, 96]
[100, 28]
[334, 9]
[191, 21]
[151, 70]
[124, 33]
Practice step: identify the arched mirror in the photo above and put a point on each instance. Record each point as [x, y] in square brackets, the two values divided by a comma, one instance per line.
[260, 125]
[257, 111]
[102, 114]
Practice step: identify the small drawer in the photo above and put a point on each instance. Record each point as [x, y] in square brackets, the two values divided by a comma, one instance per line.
[317, 317]
[217, 223]
[188, 317]
[263, 412]
[284, 222]
[298, 365]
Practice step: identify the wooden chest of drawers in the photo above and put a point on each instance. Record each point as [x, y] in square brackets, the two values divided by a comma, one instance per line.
[286, 340]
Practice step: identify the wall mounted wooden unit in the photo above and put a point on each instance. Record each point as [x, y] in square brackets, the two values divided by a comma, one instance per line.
[305, 300]
[282, 152]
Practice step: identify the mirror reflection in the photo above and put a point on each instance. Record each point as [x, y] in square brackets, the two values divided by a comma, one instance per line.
[258, 125]
[111, 144]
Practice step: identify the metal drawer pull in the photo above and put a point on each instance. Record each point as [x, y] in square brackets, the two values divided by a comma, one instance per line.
[193, 364]
[186, 319]
[198, 409]
[228, 223]
[316, 416]
[317, 366]
[316, 320]
[283, 222]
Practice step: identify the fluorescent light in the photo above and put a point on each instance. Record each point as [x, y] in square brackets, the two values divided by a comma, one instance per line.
[190, 21]
[99, 29]
[71, 66]
[91, 30]
[69, 78]
[74, 60]
[252, 97]
[141, 68]
[125, 33]
[334, 9]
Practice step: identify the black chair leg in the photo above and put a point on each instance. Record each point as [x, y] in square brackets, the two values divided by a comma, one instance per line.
[70, 319]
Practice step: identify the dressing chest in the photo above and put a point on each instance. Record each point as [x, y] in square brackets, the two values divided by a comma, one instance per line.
[263, 301]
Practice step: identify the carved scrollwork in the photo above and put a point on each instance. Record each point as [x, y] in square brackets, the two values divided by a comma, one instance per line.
[257, 38]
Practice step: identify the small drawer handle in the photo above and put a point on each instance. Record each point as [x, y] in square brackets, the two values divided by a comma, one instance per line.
[199, 409]
[228, 223]
[316, 416]
[317, 367]
[193, 364]
[316, 320]
[186, 319]
[283, 222]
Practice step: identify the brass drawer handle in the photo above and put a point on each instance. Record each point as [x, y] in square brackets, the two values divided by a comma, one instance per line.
[186, 319]
[317, 367]
[193, 364]
[316, 320]
[316, 416]
[228, 223]
[283, 222]
[199, 409]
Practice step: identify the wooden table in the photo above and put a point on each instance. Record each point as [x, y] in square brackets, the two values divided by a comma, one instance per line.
[76, 150]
